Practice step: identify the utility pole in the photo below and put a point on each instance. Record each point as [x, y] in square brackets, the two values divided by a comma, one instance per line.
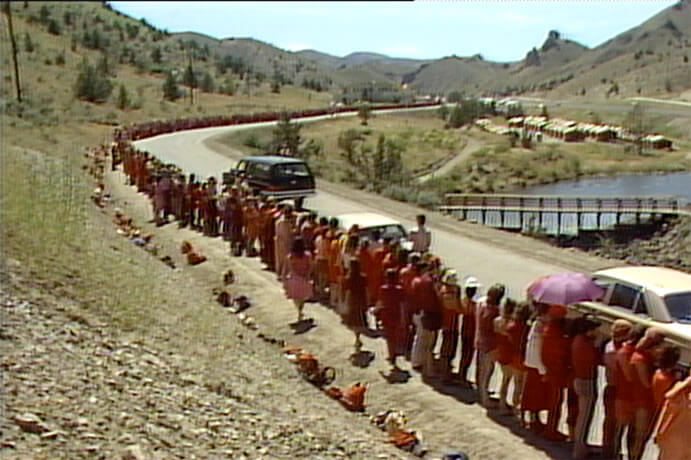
[191, 75]
[8, 11]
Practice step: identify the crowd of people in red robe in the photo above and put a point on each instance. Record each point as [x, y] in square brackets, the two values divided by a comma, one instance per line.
[434, 320]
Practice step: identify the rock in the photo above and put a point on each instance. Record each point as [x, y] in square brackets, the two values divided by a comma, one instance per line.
[133, 453]
[51, 434]
[31, 423]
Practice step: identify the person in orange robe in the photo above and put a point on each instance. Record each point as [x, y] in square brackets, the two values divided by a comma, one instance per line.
[355, 301]
[556, 357]
[641, 364]
[625, 396]
[366, 259]
[672, 428]
[405, 276]
[390, 313]
[322, 242]
[378, 270]
[664, 377]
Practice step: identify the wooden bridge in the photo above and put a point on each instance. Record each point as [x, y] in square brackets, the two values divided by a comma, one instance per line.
[561, 213]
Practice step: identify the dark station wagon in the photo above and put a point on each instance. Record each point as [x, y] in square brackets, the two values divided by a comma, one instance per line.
[281, 178]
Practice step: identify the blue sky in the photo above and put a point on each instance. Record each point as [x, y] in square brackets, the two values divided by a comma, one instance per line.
[499, 30]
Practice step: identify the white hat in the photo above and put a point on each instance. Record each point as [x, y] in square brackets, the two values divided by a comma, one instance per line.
[471, 282]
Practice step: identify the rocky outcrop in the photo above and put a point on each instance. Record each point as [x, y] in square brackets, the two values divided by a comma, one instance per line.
[669, 247]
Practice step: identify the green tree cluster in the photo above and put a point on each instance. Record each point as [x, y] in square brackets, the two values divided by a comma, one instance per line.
[375, 167]
[463, 113]
[236, 65]
[91, 85]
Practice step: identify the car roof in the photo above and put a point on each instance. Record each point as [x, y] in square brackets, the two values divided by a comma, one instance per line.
[660, 280]
[364, 220]
[273, 159]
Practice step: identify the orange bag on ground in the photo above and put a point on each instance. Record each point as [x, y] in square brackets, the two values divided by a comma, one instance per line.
[354, 397]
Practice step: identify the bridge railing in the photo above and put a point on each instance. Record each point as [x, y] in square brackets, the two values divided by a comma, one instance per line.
[469, 201]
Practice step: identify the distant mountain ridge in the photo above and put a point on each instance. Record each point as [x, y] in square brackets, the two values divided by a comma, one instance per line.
[650, 58]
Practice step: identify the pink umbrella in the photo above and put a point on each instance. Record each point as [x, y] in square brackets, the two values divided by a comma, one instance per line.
[565, 289]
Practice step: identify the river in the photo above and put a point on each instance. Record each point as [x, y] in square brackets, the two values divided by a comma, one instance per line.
[635, 185]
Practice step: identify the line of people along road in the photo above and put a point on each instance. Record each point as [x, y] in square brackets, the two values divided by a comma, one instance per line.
[419, 306]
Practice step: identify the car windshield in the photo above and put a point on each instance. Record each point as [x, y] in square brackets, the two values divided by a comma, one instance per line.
[393, 231]
[293, 169]
[679, 306]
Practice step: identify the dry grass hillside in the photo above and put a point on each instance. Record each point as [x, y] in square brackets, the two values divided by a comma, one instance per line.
[137, 58]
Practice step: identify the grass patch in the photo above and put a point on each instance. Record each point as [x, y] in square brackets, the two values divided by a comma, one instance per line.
[424, 139]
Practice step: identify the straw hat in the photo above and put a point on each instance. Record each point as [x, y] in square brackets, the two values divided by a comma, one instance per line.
[621, 329]
[450, 277]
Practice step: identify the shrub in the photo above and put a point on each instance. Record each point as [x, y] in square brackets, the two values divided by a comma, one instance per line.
[91, 86]
[399, 193]
[252, 141]
[60, 59]
[53, 27]
[428, 200]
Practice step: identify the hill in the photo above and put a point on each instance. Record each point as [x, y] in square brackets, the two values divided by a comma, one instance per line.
[649, 59]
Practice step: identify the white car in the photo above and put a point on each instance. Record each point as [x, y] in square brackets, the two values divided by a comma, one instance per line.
[370, 222]
[652, 296]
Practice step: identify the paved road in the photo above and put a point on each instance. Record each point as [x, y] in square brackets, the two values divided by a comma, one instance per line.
[196, 151]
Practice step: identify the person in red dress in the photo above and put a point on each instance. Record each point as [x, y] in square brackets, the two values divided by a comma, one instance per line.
[390, 313]
[556, 356]
[585, 358]
[427, 320]
[355, 301]
[298, 284]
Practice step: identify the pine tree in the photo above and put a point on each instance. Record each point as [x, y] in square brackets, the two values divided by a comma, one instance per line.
[286, 137]
[208, 85]
[28, 43]
[171, 91]
[123, 98]
[364, 114]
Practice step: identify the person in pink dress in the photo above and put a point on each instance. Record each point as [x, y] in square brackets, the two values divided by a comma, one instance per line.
[298, 285]
[284, 240]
